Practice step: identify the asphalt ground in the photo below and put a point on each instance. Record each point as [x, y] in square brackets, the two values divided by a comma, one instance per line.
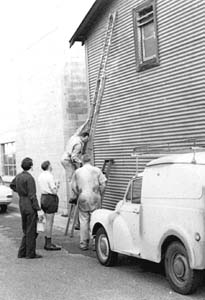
[12, 228]
[153, 274]
[12, 225]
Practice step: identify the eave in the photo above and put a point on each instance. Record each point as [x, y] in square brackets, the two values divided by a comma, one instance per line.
[85, 26]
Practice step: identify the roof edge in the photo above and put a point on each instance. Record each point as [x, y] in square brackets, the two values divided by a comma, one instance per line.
[81, 32]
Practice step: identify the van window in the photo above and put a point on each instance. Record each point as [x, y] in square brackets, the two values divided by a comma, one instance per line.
[134, 191]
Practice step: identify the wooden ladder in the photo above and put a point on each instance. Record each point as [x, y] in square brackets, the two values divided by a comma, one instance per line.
[100, 84]
[74, 208]
[90, 124]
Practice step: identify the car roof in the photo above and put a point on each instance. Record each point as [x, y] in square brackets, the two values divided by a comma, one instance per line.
[185, 158]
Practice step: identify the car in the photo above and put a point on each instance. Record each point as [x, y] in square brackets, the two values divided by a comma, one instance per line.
[6, 196]
[161, 218]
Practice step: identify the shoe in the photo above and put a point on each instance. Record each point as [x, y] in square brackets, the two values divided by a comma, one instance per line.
[21, 256]
[36, 256]
[77, 227]
[49, 246]
[56, 247]
[84, 248]
[64, 215]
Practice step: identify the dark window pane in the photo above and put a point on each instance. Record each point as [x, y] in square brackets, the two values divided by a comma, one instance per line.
[6, 171]
[136, 193]
[11, 171]
[10, 160]
[6, 159]
[145, 11]
[129, 193]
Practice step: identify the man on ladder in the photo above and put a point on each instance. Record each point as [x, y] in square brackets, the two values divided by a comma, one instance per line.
[71, 159]
[90, 124]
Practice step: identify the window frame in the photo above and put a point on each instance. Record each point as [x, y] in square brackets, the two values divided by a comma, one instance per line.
[130, 191]
[154, 61]
[7, 164]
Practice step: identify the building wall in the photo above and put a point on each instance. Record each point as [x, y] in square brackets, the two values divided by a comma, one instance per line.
[75, 102]
[49, 110]
[8, 113]
[158, 106]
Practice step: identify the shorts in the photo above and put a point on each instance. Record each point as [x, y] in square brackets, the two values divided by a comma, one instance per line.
[49, 203]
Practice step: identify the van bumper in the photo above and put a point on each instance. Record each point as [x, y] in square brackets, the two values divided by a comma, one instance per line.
[198, 261]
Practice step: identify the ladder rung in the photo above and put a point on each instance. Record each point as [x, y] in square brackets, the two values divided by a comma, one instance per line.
[99, 88]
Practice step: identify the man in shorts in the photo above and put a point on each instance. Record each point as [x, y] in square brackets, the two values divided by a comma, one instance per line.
[49, 202]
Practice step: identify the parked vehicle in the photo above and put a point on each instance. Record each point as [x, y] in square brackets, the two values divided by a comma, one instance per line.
[161, 219]
[5, 196]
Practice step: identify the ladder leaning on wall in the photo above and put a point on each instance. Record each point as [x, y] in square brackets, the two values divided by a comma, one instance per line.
[90, 124]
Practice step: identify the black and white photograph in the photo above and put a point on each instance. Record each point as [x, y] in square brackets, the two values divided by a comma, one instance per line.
[102, 150]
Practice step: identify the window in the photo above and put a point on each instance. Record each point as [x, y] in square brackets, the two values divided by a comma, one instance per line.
[9, 159]
[145, 30]
[134, 191]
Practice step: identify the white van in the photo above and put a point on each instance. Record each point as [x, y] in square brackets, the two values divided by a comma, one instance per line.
[161, 218]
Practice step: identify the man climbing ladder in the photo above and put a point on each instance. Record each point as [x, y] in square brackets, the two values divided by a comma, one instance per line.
[71, 159]
[90, 124]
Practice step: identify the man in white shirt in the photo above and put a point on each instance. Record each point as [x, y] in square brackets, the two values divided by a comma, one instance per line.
[49, 201]
[88, 183]
[71, 160]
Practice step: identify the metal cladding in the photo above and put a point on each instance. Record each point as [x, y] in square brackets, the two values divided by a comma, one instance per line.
[162, 105]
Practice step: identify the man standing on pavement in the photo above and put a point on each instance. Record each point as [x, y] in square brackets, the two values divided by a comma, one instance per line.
[24, 185]
[49, 201]
[88, 183]
[71, 159]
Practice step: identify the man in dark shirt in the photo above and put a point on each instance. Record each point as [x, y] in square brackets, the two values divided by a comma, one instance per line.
[24, 185]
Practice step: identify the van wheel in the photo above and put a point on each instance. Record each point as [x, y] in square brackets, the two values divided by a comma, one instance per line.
[104, 254]
[181, 277]
[3, 208]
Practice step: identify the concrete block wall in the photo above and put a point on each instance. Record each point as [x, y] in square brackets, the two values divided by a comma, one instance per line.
[75, 95]
[75, 102]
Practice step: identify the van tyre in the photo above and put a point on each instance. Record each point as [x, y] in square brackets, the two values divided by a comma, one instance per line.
[181, 277]
[104, 254]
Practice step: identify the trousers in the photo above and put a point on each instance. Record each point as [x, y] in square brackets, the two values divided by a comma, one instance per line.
[84, 217]
[29, 227]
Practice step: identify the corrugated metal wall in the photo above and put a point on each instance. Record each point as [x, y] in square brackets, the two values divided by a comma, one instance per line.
[165, 104]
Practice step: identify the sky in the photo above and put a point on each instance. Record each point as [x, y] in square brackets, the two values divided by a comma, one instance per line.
[23, 24]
